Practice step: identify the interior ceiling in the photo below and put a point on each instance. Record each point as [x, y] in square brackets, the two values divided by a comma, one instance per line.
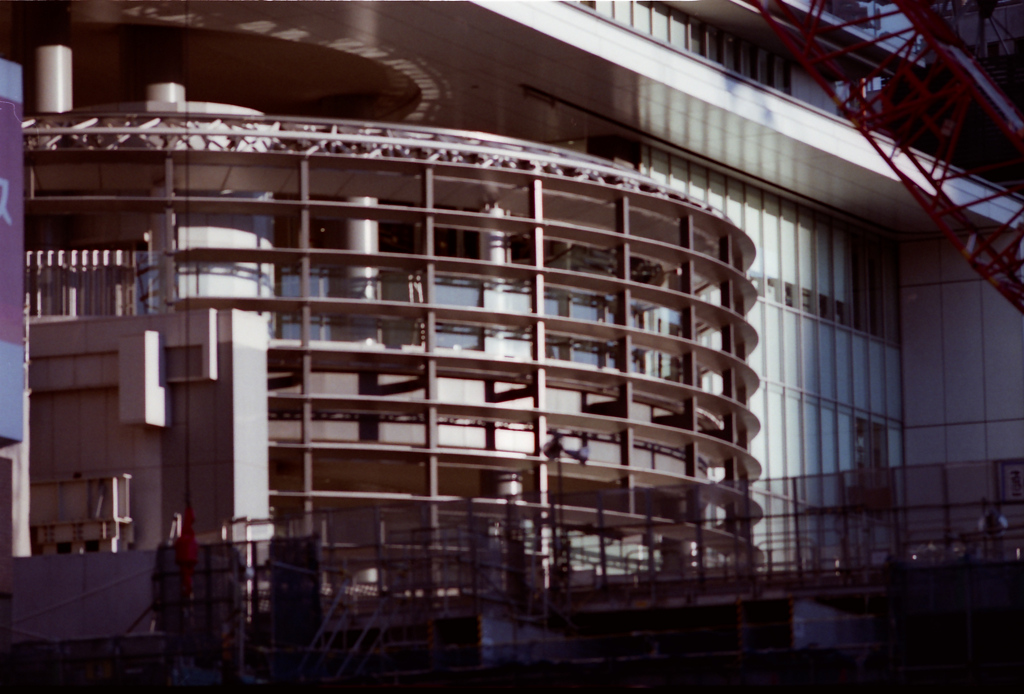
[504, 69]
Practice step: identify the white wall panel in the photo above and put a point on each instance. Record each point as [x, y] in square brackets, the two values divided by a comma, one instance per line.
[965, 442]
[924, 445]
[920, 262]
[1004, 358]
[923, 385]
[1004, 439]
[962, 351]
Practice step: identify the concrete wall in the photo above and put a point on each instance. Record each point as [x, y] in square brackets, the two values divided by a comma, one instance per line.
[963, 361]
[213, 375]
[76, 596]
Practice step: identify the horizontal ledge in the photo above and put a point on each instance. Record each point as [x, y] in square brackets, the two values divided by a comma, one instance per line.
[484, 459]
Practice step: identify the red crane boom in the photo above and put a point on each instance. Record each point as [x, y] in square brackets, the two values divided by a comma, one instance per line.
[908, 84]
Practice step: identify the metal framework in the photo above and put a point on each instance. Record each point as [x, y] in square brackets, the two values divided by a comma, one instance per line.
[906, 82]
[609, 287]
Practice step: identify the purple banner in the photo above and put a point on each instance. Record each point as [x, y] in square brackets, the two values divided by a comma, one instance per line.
[12, 234]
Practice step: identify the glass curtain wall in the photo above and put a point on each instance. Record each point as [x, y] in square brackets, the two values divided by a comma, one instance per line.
[829, 354]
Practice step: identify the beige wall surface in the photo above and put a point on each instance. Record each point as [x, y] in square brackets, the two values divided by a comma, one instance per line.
[213, 372]
[963, 361]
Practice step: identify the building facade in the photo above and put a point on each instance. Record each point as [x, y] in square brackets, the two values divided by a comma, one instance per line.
[265, 289]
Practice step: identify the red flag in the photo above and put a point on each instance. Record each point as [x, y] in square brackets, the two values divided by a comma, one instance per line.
[186, 552]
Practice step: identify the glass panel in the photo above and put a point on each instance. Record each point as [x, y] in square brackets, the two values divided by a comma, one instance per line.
[680, 175]
[794, 436]
[823, 237]
[845, 439]
[893, 397]
[757, 444]
[756, 356]
[809, 333]
[288, 326]
[828, 439]
[288, 281]
[734, 202]
[861, 376]
[678, 29]
[858, 287]
[716, 191]
[659, 21]
[789, 258]
[772, 344]
[844, 389]
[840, 258]
[812, 435]
[752, 225]
[696, 37]
[776, 431]
[792, 348]
[659, 166]
[877, 355]
[875, 296]
[729, 45]
[763, 72]
[773, 288]
[712, 42]
[808, 300]
[622, 11]
[892, 293]
[508, 297]
[895, 447]
[642, 16]
[605, 7]
[459, 337]
[879, 446]
[698, 182]
[828, 360]
[454, 291]
[861, 445]
[508, 343]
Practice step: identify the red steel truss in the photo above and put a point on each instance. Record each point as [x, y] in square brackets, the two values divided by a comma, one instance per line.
[909, 92]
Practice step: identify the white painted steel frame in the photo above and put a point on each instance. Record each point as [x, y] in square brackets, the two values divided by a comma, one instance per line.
[711, 259]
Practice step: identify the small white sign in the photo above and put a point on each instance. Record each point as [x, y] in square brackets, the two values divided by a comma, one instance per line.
[5, 187]
[1012, 479]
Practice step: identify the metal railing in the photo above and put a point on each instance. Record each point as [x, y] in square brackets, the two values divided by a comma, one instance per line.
[89, 282]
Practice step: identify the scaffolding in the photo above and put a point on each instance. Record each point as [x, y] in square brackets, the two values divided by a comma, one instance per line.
[813, 565]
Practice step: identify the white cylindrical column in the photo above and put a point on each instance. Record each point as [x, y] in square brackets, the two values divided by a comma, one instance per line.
[153, 64]
[225, 279]
[53, 79]
[166, 92]
[492, 243]
[47, 37]
[362, 236]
